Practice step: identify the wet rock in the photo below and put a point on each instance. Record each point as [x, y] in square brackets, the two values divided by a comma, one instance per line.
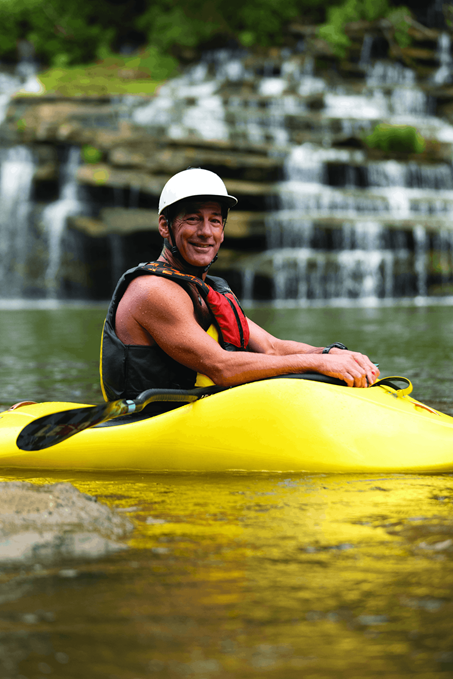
[101, 174]
[48, 545]
[125, 221]
[129, 220]
[169, 160]
[42, 524]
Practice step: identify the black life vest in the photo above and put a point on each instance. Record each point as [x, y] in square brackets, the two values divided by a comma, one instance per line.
[127, 370]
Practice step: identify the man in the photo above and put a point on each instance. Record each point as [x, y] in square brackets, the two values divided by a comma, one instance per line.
[170, 325]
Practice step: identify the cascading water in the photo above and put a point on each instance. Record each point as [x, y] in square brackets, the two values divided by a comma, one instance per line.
[373, 205]
[17, 168]
[30, 254]
[341, 226]
[443, 73]
[54, 219]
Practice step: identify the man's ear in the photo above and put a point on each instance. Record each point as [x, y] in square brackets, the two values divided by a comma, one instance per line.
[163, 226]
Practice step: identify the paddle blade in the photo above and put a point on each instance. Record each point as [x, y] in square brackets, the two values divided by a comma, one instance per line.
[48, 430]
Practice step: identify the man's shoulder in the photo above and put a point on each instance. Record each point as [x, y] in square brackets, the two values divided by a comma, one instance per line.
[147, 282]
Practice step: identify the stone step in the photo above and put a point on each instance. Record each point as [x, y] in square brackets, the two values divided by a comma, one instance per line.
[101, 174]
[124, 221]
[300, 268]
[170, 160]
[302, 92]
[281, 226]
[280, 133]
[314, 198]
[98, 124]
[307, 90]
[324, 222]
[309, 198]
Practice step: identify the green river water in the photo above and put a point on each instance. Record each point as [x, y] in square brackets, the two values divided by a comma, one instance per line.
[239, 575]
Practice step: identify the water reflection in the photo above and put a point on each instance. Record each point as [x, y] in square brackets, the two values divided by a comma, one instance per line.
[234, 576]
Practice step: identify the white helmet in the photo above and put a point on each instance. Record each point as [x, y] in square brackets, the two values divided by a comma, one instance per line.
[195, 183]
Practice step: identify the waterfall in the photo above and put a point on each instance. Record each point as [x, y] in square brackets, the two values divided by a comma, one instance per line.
[361, 258]
[25, 79]
[341, 226]
[17, 169]
[54, 219]
[323, 218]
[443, 73]
[8, 85]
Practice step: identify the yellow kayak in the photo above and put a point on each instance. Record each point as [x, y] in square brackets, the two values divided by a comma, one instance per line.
[278, 425]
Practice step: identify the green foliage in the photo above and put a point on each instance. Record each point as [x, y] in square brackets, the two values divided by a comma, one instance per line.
[65, 33]
[115, 74]
[169, 24]
[333, 30]
[355, 10]
[397, 18]
[396, 139]
[260, 22]
[90, 154]
[61, 31]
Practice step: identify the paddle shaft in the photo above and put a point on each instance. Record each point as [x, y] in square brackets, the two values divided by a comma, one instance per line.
[49, 430]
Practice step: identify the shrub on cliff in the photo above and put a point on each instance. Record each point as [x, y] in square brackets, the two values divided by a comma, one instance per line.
[396, 139]
[369, 10]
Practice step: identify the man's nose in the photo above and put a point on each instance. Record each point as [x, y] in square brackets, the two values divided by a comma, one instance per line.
[205, 226]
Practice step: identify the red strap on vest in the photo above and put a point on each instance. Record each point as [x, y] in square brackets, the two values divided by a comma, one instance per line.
[231, 321]
[230, 318]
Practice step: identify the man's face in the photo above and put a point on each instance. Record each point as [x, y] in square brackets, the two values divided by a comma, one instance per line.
[198, 232]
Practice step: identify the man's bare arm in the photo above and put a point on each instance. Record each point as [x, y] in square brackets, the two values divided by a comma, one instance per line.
[263, 342]
[174, 328]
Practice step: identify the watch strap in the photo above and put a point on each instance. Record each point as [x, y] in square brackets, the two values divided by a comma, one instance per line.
[338, 345]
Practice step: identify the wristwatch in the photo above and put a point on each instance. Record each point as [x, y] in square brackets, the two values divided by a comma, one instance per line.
[339, 345]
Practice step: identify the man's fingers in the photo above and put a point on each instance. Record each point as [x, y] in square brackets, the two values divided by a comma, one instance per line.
[353, 368]
[356, 376]
[370, 370]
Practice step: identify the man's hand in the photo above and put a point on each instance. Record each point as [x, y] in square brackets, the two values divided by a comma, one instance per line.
[354, 368]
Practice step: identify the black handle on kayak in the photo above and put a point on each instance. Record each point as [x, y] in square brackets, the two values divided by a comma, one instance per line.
[51, 429]
[390, 382]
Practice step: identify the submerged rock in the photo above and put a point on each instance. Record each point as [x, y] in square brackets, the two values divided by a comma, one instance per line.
[55, 521]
